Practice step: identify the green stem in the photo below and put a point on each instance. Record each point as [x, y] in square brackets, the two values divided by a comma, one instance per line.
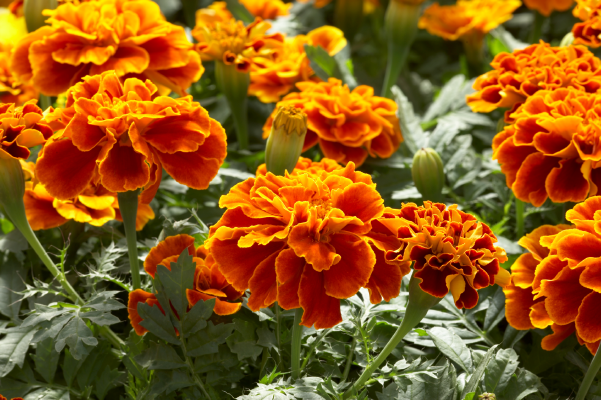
[190, 365]
[348, 16]
[401, 28]
[417, 308]
[537, 27]
[519, 217]
[234, 86]
[297, 330]
[589, 377]
[322, 335]
[349, 360]
[128, 205]
[45, 102]
[278, 319]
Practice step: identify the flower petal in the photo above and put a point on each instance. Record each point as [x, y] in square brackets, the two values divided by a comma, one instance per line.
[320, 310]
[263, 285]
[289, 269]
[171, 246]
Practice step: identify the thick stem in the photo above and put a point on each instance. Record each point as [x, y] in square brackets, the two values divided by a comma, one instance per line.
[417, 308]
[297, 330]
[519, 217]
[349, 360]
[234, 86]
[537, 27]
[128, 205]
[401, 28]
[589, 377]
[348, 16]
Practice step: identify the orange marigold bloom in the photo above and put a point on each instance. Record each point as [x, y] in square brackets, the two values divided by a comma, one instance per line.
[521, 74]
[14, 398]
[264, 9]
[348, 125]
[225, 39]
[208, 284]
[553, 148]
[130, 37]
[546, 7]
[468, 20]
[123, 135]
[299, 240]
[587, 32]
[275, 75]
[450, 249]
[308, 165]
[557, 283]
[11, 90]
[21, 128]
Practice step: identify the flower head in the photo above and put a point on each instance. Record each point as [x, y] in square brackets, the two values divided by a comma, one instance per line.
[275, 74]
[130, 37]
[588, 31]
[208, 283]
[521, 74]
[299, 240]
[554, 147]
[225, 39]
[123, 135]
[450, 249]
[468, 20]
[546, 7]
[556, 284]
[11, 90]
[305, 164]
[21, 128]
[348, 125]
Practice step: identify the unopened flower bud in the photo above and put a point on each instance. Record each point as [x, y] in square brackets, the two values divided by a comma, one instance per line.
[487, 396]
[33, 9]
[428, 174]
[285, 143]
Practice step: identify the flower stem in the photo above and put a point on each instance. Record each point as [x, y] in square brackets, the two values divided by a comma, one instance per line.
[417, 308]
[401, 28]
[593, 369]
[278, 319]
[45, 102]
[519, 217]
[234, 86]
[297, 330]
[128, 205]
[349, 360]
[314, 345]
[537, 27]
[348, 16]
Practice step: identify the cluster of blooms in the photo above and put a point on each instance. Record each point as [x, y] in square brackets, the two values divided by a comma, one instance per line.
[468, 20]
[588, 32]
[556, 284]
[130, 37]
[209, 283]
[348, 125]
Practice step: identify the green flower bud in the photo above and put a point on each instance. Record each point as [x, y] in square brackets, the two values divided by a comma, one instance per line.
[33, 12]
[286, 140]
[428, 174]
[487, 396]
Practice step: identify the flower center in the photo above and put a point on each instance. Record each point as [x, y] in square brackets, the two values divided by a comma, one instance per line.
[322, 207]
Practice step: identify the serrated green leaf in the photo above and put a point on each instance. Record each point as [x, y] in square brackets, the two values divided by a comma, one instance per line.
[12, 275]
[104, 301]
[14, 347]
[100, 317]
[243, 342]
[157, 323]
[15, 388]
[44, 313]
[472, 384]
[105, 381]
[95, 362]
[160, 356]
[266, 338]
[521, 385]
[78, 336]
[50, 329]
[195, 319]
[177, 280]
[208, 340]
[500, 370]
[71, 366]
[496, 310]
[452, 346]
[46, 359]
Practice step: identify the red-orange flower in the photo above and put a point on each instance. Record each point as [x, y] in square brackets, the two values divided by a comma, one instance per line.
[307, 165]
[14, 398]
[348, 125]
[275, 74]
[521, 74]
[12, 91]
[553, 149]
[20, 129]
[558, 284]
[546, 7]
[123, 135]
[450, 249]
[130, 37]
[209, 283]
[299, 240]
[587, 32]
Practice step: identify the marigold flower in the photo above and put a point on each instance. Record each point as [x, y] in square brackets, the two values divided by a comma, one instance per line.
[209, 283]
[546, 7]
[123, 135]
[368, 5]
[308, 165]
[557, 283]
[229, 41]
[587, 32]
[275, 75]
[14, 398]
[348, 125]
[11, 90]
[553, 148]
[264, 9]
[299, 240]
[521, 74]
[130, 37]
[16, 7]
[451, 250]
[20, 129]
